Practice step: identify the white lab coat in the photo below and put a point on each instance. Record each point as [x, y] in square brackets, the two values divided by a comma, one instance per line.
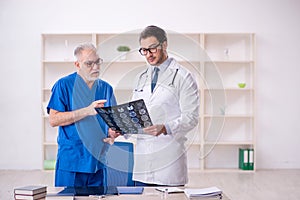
[162, 160]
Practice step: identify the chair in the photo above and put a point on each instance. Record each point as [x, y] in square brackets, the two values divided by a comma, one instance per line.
[120, 164]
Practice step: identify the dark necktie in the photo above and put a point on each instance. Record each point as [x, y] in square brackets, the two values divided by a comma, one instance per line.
[154, 80]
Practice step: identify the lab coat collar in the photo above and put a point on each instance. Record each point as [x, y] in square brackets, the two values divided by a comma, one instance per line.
[170, 69]
[169, 66]
[162, 67]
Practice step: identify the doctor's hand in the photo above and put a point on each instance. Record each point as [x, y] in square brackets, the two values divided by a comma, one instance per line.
[112, 135]
[155, 130]
[66, 118]
[96, 104]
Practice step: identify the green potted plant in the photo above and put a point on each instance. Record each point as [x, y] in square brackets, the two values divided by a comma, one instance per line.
[124, 50]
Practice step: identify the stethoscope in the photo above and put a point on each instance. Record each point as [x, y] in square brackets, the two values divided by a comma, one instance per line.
[141, 89]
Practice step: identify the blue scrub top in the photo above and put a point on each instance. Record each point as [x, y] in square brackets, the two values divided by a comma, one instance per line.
[80, 145]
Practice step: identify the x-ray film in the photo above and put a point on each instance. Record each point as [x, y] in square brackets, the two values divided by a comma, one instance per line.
[126, 118]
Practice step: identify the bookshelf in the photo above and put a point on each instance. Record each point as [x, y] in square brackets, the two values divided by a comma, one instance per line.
[218, 61]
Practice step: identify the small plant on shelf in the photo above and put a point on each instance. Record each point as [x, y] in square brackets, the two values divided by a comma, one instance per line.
[123, 48]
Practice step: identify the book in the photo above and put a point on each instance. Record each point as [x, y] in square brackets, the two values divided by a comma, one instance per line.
[130, 190]
[30, 190]
[126, 118]
[170, 189]
[202, 192]
[30, 197]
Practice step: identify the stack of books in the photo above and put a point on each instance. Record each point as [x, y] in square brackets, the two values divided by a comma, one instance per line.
[31, 192]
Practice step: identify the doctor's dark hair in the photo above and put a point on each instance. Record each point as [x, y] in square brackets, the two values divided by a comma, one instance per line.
[155, 31]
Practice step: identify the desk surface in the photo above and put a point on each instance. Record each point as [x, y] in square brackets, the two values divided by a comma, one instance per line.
[149, 194]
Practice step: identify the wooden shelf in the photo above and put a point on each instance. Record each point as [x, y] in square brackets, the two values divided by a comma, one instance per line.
[50, 144]
[229, 116]
[218, 61]
[229, 143]
[227, 170]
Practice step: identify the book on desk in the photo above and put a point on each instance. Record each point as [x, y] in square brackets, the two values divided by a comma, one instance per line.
[31, 192]
[30, 197]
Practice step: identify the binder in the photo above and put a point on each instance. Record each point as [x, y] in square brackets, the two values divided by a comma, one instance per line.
[243, 159]
[246, 159]
[251, 159]
[130, 190]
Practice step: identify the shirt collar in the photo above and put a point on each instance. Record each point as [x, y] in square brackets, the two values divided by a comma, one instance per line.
[162, 67]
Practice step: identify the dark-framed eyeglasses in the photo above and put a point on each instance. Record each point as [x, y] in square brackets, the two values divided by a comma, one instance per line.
[91, 64]
[144, 51]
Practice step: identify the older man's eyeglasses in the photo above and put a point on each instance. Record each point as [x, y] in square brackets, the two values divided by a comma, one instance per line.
[144, 51]
[91, 64]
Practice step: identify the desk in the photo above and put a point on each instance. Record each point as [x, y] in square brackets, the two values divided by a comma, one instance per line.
[149, 194]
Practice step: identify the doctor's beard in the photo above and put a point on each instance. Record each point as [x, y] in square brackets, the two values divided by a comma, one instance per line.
[160, 59]
[94, 75]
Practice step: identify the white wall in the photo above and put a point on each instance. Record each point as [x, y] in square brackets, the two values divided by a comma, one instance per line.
[276, 23]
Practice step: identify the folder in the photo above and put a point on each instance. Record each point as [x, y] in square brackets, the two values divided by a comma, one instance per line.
[203, 192]
[246, 159]
[243, 159]
[130, 190]
[88, 190]
[251, 159]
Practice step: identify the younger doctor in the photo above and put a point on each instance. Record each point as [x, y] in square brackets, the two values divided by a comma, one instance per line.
[172, 99]
[81, 132]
